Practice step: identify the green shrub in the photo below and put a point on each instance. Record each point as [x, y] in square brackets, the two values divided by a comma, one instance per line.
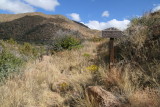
[8, 64]
[92, 68]
[29, 50]
[66, 42]
[26, 48]
[11, 41]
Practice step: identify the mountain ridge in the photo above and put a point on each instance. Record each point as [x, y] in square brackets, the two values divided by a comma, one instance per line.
[39, 26]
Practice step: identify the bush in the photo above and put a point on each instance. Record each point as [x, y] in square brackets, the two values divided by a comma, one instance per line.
[11, 41]
[8, 64]
[66, 42]
[141, 48]
[26, 48]
[92, 68]
[29, 50]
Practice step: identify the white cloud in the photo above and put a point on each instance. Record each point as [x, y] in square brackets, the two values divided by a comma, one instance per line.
[156, 8]
[105, 14]
[75, 16]
[49, 5]
[15, 6]
[24, 6]
[122, 25]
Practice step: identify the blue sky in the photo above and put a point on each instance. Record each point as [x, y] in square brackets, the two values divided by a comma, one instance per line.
[97, 14]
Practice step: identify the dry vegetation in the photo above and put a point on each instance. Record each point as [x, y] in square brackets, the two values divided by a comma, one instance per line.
[56, 80]
[61, 80]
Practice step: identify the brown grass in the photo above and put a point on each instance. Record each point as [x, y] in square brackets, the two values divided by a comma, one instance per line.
[60, 81]
[43, 83]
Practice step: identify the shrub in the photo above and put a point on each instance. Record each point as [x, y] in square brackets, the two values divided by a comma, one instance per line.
[29, 50]
[26, 48]
[8, 64]
[11, 41]
[66, 42]
[92, 68]
[141, 49]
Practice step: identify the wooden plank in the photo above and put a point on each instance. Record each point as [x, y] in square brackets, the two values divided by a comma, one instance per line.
[112, 33]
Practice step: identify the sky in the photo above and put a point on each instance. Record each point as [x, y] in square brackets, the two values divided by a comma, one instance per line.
[96, 14]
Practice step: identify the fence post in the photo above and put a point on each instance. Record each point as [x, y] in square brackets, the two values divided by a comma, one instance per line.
[111, 53]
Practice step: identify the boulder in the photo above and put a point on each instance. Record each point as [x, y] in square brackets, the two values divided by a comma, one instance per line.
[102, 98]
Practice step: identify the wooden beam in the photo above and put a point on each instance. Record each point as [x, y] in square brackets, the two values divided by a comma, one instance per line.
[111, 53]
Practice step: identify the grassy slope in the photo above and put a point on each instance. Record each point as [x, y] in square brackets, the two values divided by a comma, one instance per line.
[60, 80]
[54, 80]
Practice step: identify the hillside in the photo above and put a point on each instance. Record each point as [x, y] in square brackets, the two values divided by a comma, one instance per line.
[39, 27]
[75, 76]
[142, 40]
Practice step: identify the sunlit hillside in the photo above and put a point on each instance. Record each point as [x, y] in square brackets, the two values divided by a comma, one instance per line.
[73, 71]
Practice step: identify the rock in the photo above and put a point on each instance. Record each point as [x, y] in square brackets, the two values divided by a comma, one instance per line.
[102, 98]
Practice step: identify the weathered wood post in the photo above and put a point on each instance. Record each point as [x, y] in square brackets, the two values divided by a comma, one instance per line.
[111, 53]
[111, 33]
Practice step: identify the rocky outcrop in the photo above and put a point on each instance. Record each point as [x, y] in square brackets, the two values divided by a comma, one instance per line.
[102, 98]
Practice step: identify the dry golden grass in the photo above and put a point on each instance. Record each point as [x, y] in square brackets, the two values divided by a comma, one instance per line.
[60, 81]
[126, 84]
[43, 83]
[145, 98]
